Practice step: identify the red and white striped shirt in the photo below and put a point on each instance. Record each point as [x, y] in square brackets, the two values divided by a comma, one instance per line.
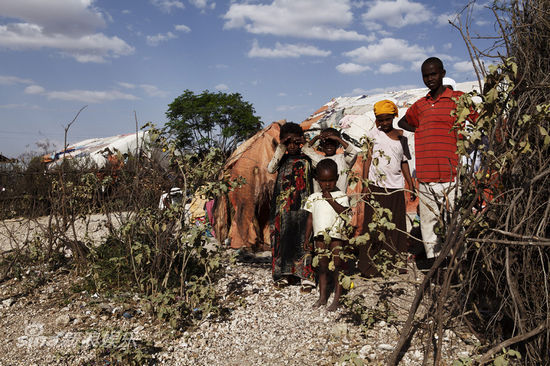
[435, 142]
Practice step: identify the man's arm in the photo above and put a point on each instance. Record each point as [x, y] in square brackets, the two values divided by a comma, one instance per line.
[404, 124]
[407, 174]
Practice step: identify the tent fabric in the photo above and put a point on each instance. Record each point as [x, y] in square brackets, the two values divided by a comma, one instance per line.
[248, 206]
[243, 216]
[93, 148]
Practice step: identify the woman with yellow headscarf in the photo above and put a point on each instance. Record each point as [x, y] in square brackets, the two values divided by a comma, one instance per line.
[386, 170]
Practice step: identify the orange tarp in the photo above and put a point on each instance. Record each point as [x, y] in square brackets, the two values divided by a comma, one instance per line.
[248, 208]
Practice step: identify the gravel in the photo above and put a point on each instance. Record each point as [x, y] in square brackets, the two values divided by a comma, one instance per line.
[262, 325]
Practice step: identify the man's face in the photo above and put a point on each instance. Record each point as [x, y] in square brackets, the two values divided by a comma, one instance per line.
[432, 75]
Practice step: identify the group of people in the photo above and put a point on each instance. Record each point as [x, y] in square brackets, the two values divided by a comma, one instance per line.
[309, 207]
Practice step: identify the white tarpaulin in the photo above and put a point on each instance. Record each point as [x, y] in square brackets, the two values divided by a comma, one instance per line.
[354, 116]
[95, 148]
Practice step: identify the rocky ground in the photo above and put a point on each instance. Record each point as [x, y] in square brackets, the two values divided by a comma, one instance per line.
[47, 319]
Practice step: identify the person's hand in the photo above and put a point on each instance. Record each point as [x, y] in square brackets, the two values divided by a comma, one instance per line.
[314, 139]
[326, 193]
[332, 137]
[413, 195]
[307, 246]
[285, 140]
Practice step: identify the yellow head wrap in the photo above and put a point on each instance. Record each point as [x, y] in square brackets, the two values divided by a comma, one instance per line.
[385, 107]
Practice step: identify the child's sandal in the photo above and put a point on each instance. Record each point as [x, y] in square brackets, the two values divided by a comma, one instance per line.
[283, 282]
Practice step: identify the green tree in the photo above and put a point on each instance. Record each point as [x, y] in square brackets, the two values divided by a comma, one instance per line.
[211, 120]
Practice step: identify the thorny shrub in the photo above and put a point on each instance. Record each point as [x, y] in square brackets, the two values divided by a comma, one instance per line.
[163, 255]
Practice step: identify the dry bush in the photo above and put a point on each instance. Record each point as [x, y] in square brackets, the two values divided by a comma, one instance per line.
[497, 238]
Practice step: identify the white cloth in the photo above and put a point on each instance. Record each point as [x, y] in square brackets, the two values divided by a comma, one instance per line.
[324, 216]
[344, 162]
[436, 199]
[273, 164]
[387, 155]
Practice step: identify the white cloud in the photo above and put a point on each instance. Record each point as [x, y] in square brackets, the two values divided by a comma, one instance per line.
[482, 23]
[203, 4]
[447, 46]
[126, 11]
[388, 49]
[11, 80]
[282, 94]
[182, 28]
[316, 19]
[351, 68]
[167, 5]
[444, 19]
[153, 91]
[90, 96]
[69, 17]
[13, 106]
[397, 14]
[34, 89]
[126, 85]
[463, 66]
[220, 66]
[221, 87]
[389, 68]
[286, 50]
[65, 25]
[164, 37]
[150, 90]
[161, 37]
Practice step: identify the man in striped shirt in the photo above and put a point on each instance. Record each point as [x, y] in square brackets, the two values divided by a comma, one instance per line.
[435, 146]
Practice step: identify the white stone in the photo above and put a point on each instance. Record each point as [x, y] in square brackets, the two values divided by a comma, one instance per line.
[385, 347]
[8, 302]
[62, 320]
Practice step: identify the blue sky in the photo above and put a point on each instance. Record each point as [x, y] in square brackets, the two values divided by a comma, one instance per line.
[286, 57]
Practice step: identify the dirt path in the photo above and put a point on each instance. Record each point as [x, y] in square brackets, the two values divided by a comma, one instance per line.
[56, 323]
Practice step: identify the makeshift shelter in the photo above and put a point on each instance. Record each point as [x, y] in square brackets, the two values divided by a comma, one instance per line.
[243, 217]
[97, 149]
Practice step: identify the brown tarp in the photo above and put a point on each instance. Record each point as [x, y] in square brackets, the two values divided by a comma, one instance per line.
[243, 214]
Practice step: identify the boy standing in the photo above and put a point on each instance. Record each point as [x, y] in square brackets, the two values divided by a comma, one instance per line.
[323, 221]
[435, 145]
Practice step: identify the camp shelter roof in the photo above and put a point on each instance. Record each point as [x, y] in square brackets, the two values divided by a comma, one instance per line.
[355, 116]
[94, 148]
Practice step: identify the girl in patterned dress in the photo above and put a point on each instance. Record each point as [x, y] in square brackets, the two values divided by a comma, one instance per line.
[290, 262]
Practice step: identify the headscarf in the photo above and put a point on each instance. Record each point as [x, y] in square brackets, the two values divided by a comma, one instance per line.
[385, 107]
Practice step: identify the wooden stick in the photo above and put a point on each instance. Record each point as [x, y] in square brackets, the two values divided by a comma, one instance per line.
[489, 354]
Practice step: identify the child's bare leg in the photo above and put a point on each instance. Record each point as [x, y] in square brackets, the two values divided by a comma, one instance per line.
[335, 247]
[323, 276]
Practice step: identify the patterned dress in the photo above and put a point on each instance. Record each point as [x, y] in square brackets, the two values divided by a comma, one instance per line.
[288, 219]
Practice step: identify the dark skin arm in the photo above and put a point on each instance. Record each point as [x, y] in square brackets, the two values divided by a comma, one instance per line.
[404, 124]
[407, 175]
[332, 202]
[341, 141]
[365, 175]
[309, 229]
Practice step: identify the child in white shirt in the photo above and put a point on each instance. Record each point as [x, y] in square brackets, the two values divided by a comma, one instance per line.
[323, 221]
